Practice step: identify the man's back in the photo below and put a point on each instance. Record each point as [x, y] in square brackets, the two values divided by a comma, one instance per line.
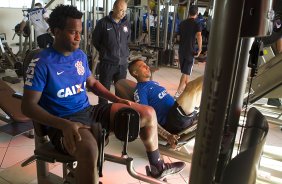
[187, 31]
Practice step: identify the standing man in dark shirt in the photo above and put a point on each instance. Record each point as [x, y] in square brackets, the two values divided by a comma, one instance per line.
[110, 38]
[189, 29]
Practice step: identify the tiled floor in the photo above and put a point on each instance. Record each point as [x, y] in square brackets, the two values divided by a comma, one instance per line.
[14, 150]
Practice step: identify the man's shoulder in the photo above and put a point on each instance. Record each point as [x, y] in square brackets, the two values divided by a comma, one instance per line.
[44, 55]
[79, 53]
[146, 84]
[105, 19]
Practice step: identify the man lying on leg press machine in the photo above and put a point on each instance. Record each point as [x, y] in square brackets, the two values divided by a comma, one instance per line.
[173, 116]
[55, 95]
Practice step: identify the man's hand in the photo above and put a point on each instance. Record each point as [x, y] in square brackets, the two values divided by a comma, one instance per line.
[71, 135]
[172, 140]
[198, 54]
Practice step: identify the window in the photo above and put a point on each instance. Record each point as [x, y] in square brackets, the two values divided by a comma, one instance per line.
[18, 3]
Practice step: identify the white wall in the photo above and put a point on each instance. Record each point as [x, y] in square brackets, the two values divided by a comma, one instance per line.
[10, 17]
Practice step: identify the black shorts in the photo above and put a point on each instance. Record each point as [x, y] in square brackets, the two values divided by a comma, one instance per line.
[109, 73]
[186, 65]
[45, 40]
[177, 120]
[92, 114]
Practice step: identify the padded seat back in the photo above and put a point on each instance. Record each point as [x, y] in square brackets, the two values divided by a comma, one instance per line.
[125, 88]
[242, 168]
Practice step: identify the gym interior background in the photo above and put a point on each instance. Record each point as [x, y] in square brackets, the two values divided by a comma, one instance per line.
[15, 150]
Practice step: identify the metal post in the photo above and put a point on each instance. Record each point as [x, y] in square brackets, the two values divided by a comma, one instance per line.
[85, 31]
[94, 9]
[105, 9]
[240, 84]
[148, 22]
[224, 41]
[73, 2]
[21, 44]
[165, 22]
[158, 25]
[135, 12]
[30, 36]
[50, 2]
[235, 105]
[173, 26]
[187, 9]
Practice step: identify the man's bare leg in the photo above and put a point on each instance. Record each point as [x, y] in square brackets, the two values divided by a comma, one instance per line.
[148, 131]
[191, 96]
[183, 82]
[86, 154]
[279, 46]
[149, 136]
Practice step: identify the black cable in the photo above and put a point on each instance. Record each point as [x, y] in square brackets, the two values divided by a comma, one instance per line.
[255, 52]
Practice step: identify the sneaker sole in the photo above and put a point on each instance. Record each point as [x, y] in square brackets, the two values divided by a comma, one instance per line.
[161, 177]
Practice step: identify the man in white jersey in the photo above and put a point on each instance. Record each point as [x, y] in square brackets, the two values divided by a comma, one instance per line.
[38, 17]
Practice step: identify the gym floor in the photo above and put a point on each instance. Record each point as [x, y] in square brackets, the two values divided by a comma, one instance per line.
[15, 150]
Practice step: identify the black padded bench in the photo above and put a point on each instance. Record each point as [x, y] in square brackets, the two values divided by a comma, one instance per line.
[126, 129]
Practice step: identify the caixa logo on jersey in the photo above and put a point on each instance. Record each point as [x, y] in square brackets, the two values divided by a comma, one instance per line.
[72, 90]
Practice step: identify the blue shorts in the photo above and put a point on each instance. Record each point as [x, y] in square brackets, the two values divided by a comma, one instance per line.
[186, 65]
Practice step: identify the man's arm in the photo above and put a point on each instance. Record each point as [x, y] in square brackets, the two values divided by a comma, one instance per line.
[172, 139]
[98, 89]
[31, 109]
[97, 36]
[199, 41]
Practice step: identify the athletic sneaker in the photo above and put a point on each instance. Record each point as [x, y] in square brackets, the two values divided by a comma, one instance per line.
[197, 110]
[167, 169]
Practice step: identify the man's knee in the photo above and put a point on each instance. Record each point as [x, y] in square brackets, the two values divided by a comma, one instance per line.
[87, 152]
[148, 115]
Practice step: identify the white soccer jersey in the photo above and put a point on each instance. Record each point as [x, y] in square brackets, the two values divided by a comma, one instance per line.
[36, 16]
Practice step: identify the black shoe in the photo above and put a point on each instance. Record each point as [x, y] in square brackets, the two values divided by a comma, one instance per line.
[274, 102]
[168, 169]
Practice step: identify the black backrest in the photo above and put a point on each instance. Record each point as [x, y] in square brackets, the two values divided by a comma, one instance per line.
[125, 88]
[242, 168]
[256, 129]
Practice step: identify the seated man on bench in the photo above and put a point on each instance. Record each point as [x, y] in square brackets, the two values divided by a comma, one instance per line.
[173, 116]
[55, 94]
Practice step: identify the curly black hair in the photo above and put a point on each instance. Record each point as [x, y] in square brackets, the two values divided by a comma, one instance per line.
[59, 16]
